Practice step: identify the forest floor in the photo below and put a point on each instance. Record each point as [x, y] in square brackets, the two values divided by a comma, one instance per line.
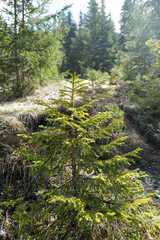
[27, 104]
[141, 133]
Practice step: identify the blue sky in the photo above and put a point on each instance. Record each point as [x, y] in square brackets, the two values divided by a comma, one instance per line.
[112, 6]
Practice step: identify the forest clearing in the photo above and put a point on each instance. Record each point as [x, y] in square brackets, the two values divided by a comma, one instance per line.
[79, 122]
[23, 117]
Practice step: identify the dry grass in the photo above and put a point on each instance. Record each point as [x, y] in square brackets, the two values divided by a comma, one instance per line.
[12, 125]
[25, 105]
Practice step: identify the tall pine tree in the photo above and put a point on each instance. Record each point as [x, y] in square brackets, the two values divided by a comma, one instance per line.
[93, 25]
[69, 59]
[154, 18]
[34, 49]
[126, 19]
[134, 36]
[95, 44]
[5, 60]
[107, 40]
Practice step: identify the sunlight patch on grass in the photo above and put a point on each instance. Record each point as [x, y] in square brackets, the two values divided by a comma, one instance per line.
[19, 107]
[27, 105]
[12, 124]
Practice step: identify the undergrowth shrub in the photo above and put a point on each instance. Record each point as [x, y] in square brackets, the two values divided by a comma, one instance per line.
[117, 74]
[81, 193]
[10, 166]
[96, 79]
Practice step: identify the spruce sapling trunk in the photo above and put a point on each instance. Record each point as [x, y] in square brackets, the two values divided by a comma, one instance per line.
[74, 171]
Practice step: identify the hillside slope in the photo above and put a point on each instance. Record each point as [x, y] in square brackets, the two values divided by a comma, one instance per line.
[25, 115]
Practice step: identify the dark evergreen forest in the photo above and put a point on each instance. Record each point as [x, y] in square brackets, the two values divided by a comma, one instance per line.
[83, 161]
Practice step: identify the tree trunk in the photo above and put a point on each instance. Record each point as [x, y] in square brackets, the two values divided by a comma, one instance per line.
[16, 57]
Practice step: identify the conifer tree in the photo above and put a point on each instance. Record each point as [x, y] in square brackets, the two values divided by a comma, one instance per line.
[93, 20]
[85, 191]
[33, 48]
[153, 7]
[107, 40]
[79, 46]
[126, 19]
[5, 61]
[69, 61]
[134, 36]
[146, 90]
[94, 46]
